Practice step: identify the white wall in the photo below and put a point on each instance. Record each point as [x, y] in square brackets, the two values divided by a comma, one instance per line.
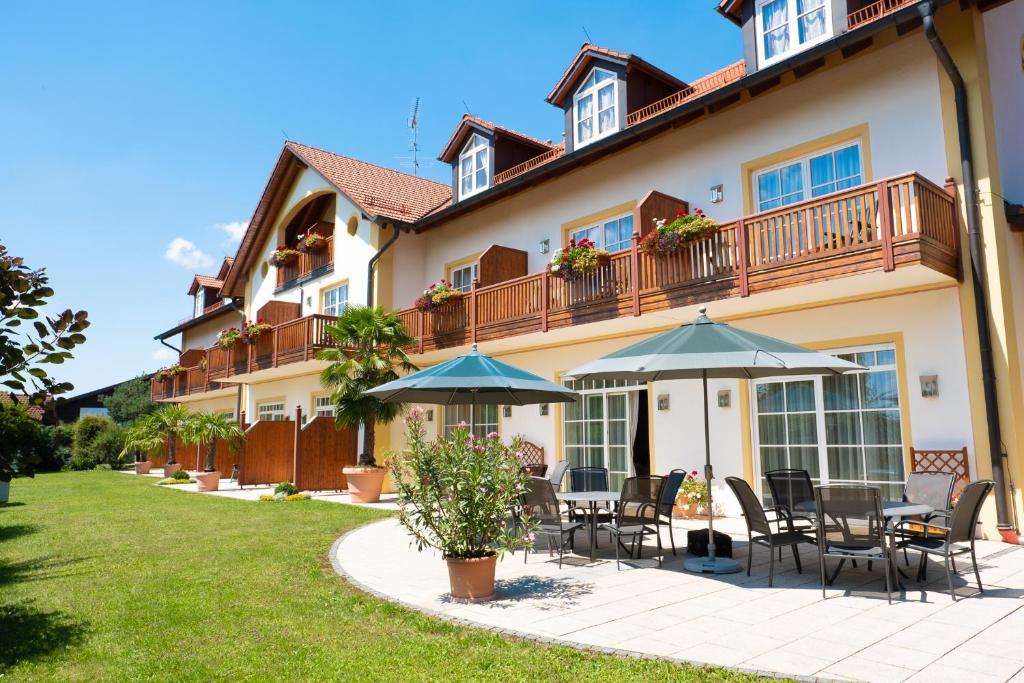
[930, 326]
[205, 333]
[295, 391]
[351, 252]
[1004, 33]
[893, 90]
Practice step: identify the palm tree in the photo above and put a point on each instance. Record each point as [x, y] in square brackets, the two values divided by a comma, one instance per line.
[208, 428]
[150, 433]
[368, 350]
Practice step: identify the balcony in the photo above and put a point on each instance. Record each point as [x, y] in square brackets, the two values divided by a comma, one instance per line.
[287, 343]
[307, 265]
[901, 221]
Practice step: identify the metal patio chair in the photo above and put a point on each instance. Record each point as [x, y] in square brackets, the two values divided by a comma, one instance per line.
[851, 526]
[669, 491]
[637, 515]
[541, 506]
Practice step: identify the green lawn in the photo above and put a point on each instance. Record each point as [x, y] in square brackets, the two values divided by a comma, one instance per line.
[105, 576]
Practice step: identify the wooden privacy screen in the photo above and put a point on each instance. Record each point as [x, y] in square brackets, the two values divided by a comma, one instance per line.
[323, 451]
[656, 205]
[184, 455]
[268, 454]
[956, 461]
[277, 312]
[224, 459]
[499, 264]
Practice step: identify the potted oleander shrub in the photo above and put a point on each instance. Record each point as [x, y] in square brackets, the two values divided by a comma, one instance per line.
[692, 496]
[209, 428]
[454, 495]
[18, 454]
[367, 349]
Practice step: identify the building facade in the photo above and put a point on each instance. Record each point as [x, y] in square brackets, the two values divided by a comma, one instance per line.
[830, 156]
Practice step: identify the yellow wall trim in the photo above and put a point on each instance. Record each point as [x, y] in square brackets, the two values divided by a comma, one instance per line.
[460, 263]
[324, 288]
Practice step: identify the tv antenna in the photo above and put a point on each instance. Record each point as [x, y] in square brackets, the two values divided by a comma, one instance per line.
[414, 126]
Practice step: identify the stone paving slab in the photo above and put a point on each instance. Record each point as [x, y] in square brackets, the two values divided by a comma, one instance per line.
[731, 620]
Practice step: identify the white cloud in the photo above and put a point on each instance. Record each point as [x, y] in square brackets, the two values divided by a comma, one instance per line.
[187, 255]
[234, 231]
[163, 354]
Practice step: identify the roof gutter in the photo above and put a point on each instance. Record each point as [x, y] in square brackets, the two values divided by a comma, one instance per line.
[977, 263]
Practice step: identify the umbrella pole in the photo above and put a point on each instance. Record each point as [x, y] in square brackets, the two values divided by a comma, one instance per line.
[709, 564]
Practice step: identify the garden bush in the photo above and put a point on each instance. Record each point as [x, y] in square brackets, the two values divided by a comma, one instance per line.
[95, 440]
[286, 487]
[54, 447]
[180, 474]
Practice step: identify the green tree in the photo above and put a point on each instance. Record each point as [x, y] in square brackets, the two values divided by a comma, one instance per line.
[151, 433]
[367, 351]
[130, 401]
[208, 428]
[23, 292]
[18, 456]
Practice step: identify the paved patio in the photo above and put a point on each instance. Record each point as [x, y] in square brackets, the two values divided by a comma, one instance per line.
[731, 620]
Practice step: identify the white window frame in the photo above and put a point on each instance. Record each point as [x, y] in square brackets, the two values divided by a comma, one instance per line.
[599, 226]
[200, 302]
[474, 271]
[605, 389]
[805, 172]
[822, 445]
[322, 406]
[793, 27]
[271, 416]
[475, 144]
[591, 91]
[451, 418]
[335, 307]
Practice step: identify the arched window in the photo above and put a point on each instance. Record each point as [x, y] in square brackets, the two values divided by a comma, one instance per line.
[594, 105]
[473, 167]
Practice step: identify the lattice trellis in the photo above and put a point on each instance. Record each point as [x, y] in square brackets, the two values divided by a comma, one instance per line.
[923, 460]
[531, 454]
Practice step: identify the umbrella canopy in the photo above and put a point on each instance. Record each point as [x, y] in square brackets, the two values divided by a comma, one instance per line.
[703, 349]
[474, 379]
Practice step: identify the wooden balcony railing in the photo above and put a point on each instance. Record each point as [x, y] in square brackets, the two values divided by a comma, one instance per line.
[290, 342]
[702, 86]
[878, 226]
[306, 263]
[875, 10]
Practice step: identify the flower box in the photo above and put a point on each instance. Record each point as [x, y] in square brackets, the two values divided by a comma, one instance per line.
[669, 237]
[283, 256]
[578, 259]
[228, 338]
[311, 242]
[437, 295]
[254, 330]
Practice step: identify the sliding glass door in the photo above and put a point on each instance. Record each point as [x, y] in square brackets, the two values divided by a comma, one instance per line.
[841, 429]
[597, 428]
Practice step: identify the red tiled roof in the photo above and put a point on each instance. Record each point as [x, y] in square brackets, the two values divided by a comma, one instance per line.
[204, 281]
[468, 121]
[582, 60]
[730, 9]
[378, 191]
[34, 411]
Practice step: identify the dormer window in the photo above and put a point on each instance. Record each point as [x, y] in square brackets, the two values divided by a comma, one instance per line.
[594, 104]
[788, 26]
[473, 167]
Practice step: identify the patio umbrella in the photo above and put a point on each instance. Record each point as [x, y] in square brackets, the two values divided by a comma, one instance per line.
[703, 349]
[474, 379]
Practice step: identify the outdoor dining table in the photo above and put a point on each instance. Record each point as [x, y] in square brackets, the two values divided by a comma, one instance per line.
[893, 511]
[592, 499]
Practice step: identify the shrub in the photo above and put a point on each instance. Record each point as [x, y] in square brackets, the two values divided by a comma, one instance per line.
[286, 487]
[172, 481]
[20, 434]
[55, 447]
[455, 492]
[95, 440]
[180, 475]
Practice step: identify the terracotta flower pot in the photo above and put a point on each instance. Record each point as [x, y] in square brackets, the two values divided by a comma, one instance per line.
[143, 467]
[472, 580]
[208, 481]
[171, 469]
[364, 483]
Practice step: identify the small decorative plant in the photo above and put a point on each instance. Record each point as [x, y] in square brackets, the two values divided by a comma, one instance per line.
[283, 255]
[286, 487]
[180, 475]
[455, 492]
[164, 374]
[228, 338]
[577, 259]
[202, 363]
[694, 490]
[438, 294]
[668, 237]
[311, 241]
[255, 329]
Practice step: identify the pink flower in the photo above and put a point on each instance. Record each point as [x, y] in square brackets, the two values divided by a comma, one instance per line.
[492, 435]
[462, 424]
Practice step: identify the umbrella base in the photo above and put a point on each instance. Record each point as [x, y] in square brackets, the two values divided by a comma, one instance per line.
[707, 565]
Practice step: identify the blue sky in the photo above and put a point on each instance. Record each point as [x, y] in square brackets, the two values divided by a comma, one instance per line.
[126, 127]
